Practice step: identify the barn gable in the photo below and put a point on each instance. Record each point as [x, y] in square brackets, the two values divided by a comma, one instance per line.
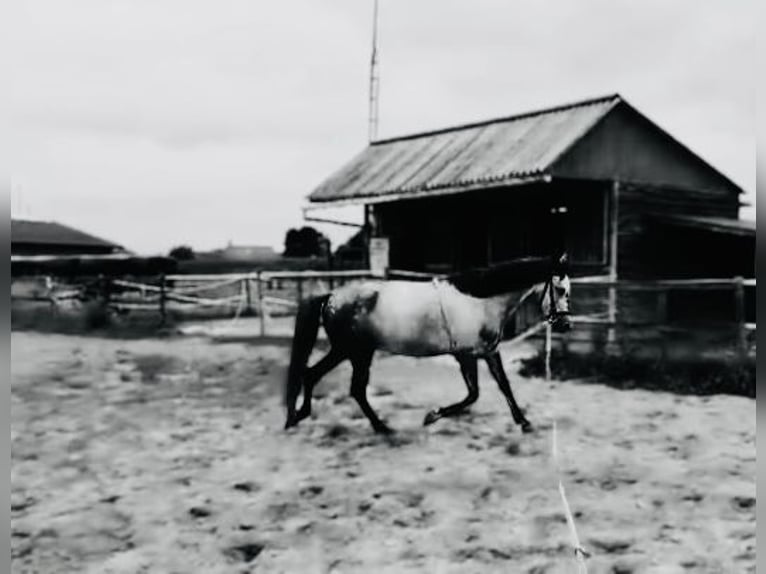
[48, 237]
[626, 146]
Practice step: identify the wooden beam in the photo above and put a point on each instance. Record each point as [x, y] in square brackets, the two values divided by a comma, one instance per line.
[614, 215]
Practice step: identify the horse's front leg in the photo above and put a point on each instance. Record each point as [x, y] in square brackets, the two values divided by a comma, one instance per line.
[469, 369]
[495, 364]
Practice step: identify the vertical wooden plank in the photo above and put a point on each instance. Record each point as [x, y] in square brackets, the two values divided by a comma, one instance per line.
[261, 308]
[662, 307]
[739, 302]
[613, 248]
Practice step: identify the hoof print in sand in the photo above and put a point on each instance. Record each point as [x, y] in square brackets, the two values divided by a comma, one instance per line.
[244, 552]
[199, 512]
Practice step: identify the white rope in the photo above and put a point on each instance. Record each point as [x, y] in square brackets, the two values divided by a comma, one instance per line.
[242, 298]
[579, 551]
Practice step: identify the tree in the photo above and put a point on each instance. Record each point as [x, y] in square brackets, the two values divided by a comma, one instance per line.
[354, 250]
[181, 253]
[306, 242]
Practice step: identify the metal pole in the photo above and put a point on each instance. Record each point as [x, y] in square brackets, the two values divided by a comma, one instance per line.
[374, 79]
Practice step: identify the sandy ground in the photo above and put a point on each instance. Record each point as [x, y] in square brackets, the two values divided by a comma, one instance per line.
[168, 456]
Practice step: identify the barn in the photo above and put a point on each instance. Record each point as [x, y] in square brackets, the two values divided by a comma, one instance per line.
[29, 237]
[626, 199]
[40, 248]
[596, 176]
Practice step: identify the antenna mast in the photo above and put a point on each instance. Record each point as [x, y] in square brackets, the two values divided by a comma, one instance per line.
[374, 79]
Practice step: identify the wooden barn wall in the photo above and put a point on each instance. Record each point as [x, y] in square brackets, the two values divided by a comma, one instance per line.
[640, 255]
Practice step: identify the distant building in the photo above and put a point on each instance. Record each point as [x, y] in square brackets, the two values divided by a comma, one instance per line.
[51, 238]
[245, 253]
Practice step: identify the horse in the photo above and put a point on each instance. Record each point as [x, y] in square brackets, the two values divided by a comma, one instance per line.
[464, 315]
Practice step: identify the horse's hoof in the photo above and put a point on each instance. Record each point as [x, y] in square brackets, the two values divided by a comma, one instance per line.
[526, 427]
[291, 422]
[431, 418]
[384, 430]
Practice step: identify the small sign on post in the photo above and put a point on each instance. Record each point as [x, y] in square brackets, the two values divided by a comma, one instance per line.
[379, 256]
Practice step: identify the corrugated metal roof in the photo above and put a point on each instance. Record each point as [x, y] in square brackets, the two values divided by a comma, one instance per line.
[52, 233]
[500, 151]
[718, 224]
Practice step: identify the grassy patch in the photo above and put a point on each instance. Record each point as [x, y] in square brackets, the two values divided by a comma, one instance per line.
[90, 319]
[629, 372]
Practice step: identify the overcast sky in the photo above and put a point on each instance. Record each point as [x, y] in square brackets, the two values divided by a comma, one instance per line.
[159, 122]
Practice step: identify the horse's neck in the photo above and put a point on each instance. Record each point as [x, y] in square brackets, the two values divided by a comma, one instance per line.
[503, 307]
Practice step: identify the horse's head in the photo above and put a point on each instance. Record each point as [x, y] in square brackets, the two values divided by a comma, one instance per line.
[554, 299]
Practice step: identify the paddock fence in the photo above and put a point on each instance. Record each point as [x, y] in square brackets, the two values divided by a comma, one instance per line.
[662, 317]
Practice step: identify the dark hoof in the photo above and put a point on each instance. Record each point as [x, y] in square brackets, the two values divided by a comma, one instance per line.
[431, 418]
[526, 427]
[291, 422]
[384, 430]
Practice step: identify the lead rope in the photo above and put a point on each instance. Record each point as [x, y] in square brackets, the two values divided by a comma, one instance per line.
[580, 553]
[445, 321]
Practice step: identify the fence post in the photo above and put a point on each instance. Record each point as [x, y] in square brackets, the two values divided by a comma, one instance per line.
[739, 302]
[248, 297]
[548, 345]
[300, 289]
[261, 309]
[163, 300]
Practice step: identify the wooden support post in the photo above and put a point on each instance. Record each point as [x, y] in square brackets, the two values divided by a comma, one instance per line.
[300, 290]
[739, 302]
[261, 307]
[662, 319]
[614, 215]
[163, 300]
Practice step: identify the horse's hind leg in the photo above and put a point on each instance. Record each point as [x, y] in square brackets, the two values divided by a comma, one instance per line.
[312, 376]
[495, 364]
[469, 369]
[359, 380]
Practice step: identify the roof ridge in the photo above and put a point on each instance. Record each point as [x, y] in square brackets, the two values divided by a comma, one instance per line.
[549, 110]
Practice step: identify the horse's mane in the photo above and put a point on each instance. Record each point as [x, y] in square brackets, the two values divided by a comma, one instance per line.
[504, 277]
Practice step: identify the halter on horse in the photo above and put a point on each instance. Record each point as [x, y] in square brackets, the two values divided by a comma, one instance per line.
[464, 315]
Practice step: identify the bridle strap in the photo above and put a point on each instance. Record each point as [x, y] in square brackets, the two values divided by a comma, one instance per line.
[548, 290]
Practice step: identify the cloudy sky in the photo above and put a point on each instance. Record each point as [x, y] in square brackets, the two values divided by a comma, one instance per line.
[159, 122]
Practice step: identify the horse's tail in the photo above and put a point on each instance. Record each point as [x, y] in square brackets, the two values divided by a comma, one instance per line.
[306, 329]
